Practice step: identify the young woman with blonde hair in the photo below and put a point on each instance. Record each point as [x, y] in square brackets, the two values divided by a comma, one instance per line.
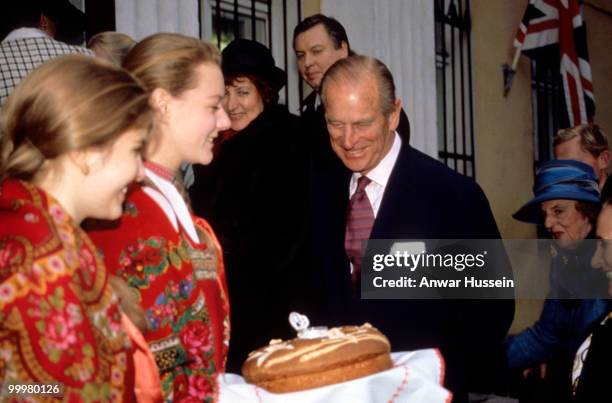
[73, 132]
[111, 46]
[171, 257]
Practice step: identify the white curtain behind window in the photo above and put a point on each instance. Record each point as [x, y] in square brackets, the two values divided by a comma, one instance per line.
[401, 34]
[141, 18]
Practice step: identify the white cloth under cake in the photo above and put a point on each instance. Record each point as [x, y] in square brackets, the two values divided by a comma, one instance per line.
[416, 377]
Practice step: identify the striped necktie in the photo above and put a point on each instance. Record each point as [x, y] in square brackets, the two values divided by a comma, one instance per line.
[359, 221]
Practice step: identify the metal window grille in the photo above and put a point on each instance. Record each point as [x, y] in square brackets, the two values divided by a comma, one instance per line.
[454, 85]
[547, 103]
[241, 19]
[270, 22]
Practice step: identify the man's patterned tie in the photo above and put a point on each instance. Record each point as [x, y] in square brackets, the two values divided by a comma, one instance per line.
[359, 221]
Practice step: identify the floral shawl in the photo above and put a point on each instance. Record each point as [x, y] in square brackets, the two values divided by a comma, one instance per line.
[59, 319]
[180, 284]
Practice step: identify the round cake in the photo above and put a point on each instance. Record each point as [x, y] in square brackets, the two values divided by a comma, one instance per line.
[341, 354]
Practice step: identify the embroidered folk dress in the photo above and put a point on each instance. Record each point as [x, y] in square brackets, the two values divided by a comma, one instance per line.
[174, 262]
[59, 319]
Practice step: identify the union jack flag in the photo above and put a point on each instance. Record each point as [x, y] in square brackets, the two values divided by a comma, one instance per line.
[558, 23]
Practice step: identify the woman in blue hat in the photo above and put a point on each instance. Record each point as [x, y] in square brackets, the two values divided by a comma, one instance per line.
[566, 202]
[254, 194]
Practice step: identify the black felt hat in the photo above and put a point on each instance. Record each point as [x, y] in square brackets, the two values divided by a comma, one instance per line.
[244, 56]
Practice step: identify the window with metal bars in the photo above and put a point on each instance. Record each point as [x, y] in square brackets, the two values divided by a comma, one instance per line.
[547, 103]
[241, 19]
[454, 85]
[270, 22]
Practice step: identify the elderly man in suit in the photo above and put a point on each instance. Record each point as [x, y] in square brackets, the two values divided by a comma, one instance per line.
[319, 41]
[386, 189]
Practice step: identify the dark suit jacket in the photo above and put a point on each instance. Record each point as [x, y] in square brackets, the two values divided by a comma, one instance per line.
[423, 200]
[594, 382]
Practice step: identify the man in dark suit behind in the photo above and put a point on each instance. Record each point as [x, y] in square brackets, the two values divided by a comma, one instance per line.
[411, 196]
[319, 41]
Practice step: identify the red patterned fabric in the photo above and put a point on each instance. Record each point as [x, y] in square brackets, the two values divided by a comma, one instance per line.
[359, 223]
[59, 319]
[180, 285]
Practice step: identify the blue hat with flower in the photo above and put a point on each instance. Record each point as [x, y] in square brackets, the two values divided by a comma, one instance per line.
[559, 179]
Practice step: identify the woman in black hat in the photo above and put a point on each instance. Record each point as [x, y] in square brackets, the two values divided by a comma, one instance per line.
[252, 81]
[254, 194]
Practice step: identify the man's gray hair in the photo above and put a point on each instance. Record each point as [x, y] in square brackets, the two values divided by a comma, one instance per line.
[592, 138]
[354, 69]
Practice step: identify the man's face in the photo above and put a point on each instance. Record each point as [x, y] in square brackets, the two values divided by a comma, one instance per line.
[315, 52]
[602, 258]
[572, 150]
[359, 132]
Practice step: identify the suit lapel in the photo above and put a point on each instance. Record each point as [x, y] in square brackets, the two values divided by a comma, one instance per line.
[396, 201]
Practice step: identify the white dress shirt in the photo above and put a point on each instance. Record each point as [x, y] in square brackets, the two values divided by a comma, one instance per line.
[379, 176]
[172, 203]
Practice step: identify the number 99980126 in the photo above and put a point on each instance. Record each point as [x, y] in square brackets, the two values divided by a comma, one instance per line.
[40, 389]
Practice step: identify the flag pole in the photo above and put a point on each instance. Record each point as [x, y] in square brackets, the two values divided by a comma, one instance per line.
[509, 71]
[517, 54]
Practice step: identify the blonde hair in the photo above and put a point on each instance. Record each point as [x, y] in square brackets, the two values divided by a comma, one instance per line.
[168, 61]
[128, 301]
[69, 103]
[111, 46]
[592, 138]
